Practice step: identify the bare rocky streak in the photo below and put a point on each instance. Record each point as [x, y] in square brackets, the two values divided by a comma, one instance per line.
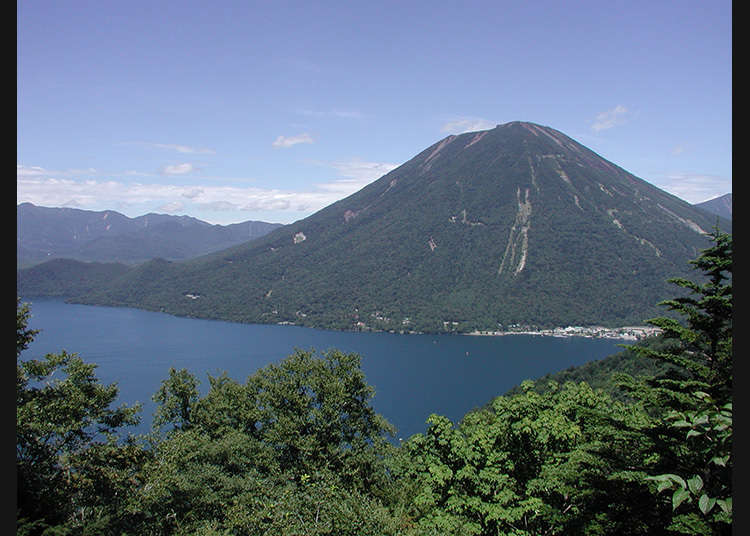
[519, 236]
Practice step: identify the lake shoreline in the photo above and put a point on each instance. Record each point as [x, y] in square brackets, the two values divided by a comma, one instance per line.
[630, 333]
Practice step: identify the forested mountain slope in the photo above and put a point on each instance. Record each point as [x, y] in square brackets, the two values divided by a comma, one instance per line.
[45, 233]
[721, 206]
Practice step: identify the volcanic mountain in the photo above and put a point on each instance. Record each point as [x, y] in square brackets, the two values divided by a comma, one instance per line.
[518, 224]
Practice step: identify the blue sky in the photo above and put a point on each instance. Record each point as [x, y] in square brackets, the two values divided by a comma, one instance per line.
[231, 111]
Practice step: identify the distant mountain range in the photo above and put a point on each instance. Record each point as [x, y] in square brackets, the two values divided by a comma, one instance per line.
[45, 233]
[720, 206]
[519, 224]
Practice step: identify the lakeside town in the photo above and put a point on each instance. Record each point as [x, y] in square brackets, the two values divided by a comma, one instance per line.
[630, 333]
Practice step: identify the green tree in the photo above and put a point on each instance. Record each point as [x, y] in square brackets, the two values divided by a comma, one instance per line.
[702, 338]
[24, 334]
[176, 398]
[529, 464]
[316, 412]
[297, 449]
[572, 460]
[707, 485]
[694, 406]
[64, 425]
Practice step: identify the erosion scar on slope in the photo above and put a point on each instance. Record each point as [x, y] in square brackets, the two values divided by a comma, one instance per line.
[518, 241]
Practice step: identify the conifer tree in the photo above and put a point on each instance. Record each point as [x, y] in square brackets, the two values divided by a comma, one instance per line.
[704, 337]
[695, 405]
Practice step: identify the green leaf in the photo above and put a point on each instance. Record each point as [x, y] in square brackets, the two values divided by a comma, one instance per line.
[705, 503]
[720, 460]
[658, 478]
[664, 484]
[695, 484]
[679, 496]
[692, 433]
[678, 479]
[703, 419]
[725, 504]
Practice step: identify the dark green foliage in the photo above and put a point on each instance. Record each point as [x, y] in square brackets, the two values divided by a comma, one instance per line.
[531, 464]
[24, 335]
[705, 348]
[201, 485]
[68, 278]
[696, 437]
[176, 398]
[575, 461]
[296, 449]
[701, 497]
[72, 472]
[601, 374]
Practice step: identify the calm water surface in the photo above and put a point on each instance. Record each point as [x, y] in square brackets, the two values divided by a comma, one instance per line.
[413, 375]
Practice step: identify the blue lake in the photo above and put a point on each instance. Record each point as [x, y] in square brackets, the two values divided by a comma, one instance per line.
[413, 375]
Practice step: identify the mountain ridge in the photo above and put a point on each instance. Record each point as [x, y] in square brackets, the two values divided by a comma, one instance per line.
[720, 206]
[44, 233]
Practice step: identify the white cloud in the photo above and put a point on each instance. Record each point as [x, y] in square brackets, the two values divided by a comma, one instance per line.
[178, 169]
[192, 194]
[219, 206]
[177, 147]
[185, 149]
[361, 170]
[171, 208]
[288, 141]
[610, 118]
[37, 186]
[140, 198]
[694, 187]
[354, 175]
[36, 171]
[467, 124]
[134, 173]
[342, 114]
[30, 171]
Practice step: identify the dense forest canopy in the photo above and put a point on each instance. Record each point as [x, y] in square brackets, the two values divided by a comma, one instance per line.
[298, 449]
